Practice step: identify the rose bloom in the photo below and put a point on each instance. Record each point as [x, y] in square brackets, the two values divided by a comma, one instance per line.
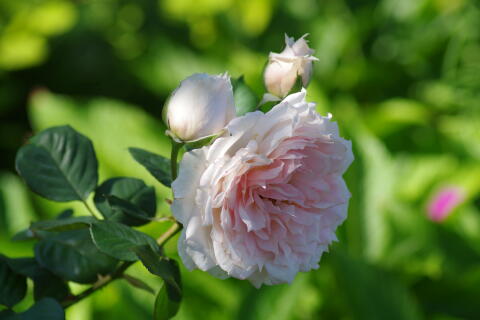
[283, 68]
[263, 202]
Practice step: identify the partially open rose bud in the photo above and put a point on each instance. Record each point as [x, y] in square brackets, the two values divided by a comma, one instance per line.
[283, 68]
[201, 106]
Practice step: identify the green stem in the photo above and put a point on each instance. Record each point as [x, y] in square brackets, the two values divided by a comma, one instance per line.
[117, 274]
[102, 282]
[176, 146]
[169, 233]
[85, 203]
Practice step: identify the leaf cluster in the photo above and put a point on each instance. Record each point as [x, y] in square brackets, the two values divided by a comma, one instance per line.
[60, 164]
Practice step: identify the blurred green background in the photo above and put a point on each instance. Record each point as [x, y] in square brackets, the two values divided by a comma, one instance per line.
[402, 78]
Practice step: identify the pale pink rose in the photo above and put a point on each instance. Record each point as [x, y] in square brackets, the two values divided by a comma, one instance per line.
[283, 68]
[262, 202]
[444, 202]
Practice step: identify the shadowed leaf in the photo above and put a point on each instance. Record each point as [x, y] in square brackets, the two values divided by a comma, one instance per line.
[13, 286]
[126, 200]
[71, 255]
[158, 166]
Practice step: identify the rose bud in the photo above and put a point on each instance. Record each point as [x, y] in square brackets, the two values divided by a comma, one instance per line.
[283, 68]
[201, 106]
[264, 200]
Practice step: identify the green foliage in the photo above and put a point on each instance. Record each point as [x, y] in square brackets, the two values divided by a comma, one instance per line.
[64, 221]
[137, 283]
[14, 285]
[45, 283]
[59, 164]
[277, 302]
[245, 98]
[126, 200]
[27, 267]
[164, 308]
[28, 26]
[163, 267]
[118, 240]
[131, 126]
[72, 248]
[361, 283]
[72, 255]
[63, 224]
[195, 144]
[158, 166]
[401, 78]
[46, 308]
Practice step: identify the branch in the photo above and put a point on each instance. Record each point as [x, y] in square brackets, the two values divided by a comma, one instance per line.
[117, 274]
[169, 233]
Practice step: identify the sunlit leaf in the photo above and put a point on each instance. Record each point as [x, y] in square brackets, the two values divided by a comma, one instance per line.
[59, 164]
[52, 17]
[16, 209]
[21, 49]
[118, 240]
[393, 114]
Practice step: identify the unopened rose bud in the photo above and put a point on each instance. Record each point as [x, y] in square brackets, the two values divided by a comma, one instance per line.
[201, 106]
[283, 68]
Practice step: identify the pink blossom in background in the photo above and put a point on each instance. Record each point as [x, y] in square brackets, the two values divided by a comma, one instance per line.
[443, 203]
